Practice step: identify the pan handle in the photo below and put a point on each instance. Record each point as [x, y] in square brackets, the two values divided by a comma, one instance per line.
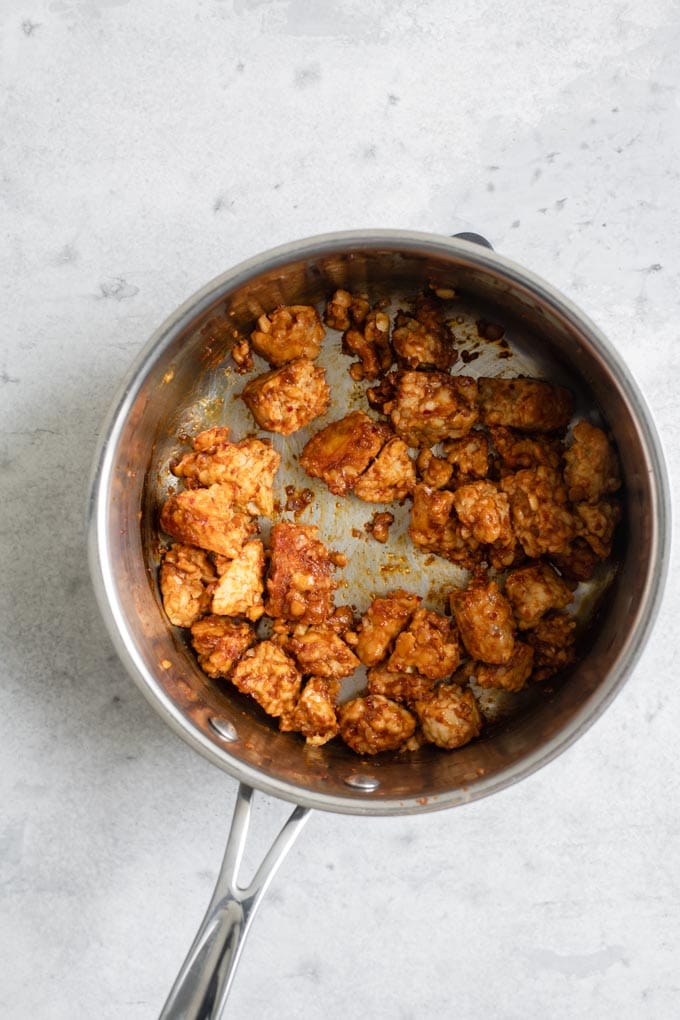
[202, 985]
[468, 235]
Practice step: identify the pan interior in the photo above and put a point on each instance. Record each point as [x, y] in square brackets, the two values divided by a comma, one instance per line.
[187, 382]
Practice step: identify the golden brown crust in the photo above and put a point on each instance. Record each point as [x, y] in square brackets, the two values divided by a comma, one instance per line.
[242, 355]
[432, 406]
[315, 714]
[341, 451]
[429, 646]
[541, 519]
[468, 457]
[207, 518]
[451, 717]
[422, 339]
[289, 332]
[509, 676]
[219, 643]
[596, 523]
[383, 620]
[374, 724]
[342, 620]
[185, 576]
[399, 685]
[381, 397]
[485, 621]
[504, 554]
[270, 677]
[435, 527]
[344, 310]
[433, 471]
[288, 398]
[533, 591]
[591, 465]
[239, 589]
[248, 466]
[518, 450]
[300, 584]
[577, 562]
[379, 526]
[212, 439]
[321, 652]
[529, 405]
[371, 344]
[553, 643]
[391, 476]
[485, 510]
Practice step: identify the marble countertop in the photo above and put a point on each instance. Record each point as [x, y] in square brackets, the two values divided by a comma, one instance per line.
[145, 147]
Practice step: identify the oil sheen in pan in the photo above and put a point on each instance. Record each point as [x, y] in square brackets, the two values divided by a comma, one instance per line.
[374, 568]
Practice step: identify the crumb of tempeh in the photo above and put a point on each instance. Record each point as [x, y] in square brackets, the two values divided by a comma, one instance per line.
[509, 676]
[321, 652]
[433, 471]
[432, 406]
[485, 511]
[399, 685]
[502, 555]
[391, 476]
[297, 500]
[534, 590]
[383, 620]
[315, 715]
[517, 450]
[212, 439]
[577, 562]
[414, 742]
[553, 643]
[485, 621]
[428, 645]
[341, 620]
[207, 518]
[373, 724]
[591, 465]
[541, 519]
[422, 339]
[249, 466]
[185, 574]
[287, 333]
[239, 589]
[242, 356]
[595, 523]
[436, 528]
[300, 584]
[341, 451]
[469, 456]
[379, 525]
[270, 677]
[451, 717]
[219, 643]
[344, 310]
[371, 343]
[381, 397]
[529, 405]
[288, 398]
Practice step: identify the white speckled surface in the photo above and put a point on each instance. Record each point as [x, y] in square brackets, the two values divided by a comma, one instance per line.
[145, 147]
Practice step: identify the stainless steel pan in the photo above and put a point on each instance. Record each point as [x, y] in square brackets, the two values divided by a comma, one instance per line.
[184, 380]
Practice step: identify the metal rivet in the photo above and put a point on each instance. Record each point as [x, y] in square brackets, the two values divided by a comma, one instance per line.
[361, 782]
[224, 728]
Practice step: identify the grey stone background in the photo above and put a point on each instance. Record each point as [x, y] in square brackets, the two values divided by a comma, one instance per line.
[144, 148]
